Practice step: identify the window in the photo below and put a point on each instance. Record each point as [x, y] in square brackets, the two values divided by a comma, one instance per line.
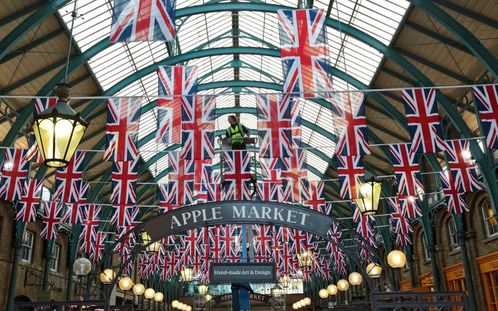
[452, 235]
[56, 253]
[490, 221]
[28, 243]
[427, 255]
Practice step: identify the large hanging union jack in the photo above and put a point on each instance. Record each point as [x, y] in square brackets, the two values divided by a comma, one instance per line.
[143, 20]
[406, 169]
[275, 125]
[423, 120]
[91, 221]
[177, 85]
[14, 173]
[270, 186]
[52, 215]
[198, 129]
[237, 175]
[67, 178]
[352, 123]
[350, 170]
[461, 165]
[74, 211]
[123, 120]
[486, 100]
[30, 200]
[123, 197]
[317, 199]
[304, 52]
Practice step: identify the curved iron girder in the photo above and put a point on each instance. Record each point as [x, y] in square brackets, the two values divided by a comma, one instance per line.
[9, 41]
[462, 33]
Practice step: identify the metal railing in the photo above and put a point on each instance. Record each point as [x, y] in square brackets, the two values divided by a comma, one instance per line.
[407, 301]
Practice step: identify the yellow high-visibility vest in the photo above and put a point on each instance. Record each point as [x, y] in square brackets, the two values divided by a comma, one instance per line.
[237, 134]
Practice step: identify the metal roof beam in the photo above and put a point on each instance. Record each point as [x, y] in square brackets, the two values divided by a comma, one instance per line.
[20, 13]
[466, 12]
[461, 32]
[10, 40]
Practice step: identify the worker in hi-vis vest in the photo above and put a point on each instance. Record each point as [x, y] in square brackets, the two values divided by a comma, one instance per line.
[236, 132]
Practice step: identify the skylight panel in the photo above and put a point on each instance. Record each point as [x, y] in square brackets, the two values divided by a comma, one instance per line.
[316, 162]
[111, 65]
[324, 144]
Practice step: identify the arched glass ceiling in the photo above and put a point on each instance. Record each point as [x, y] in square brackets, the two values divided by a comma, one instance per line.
[378, 18]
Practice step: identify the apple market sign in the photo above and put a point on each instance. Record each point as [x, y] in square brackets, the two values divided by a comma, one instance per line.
[237, 212]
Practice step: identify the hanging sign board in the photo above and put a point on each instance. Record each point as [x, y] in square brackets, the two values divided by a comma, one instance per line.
[237, 212]
[242, 273]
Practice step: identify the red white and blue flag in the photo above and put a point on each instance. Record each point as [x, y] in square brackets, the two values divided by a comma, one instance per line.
[285, 251]
[198, 129]
[275, 125]
[423, 120]
[317, 199]
[123, 120]
[304, 52]
[167, 198]
[43, 103]
[333, 249]
[262, 243]
[409, 206]
[462, 166]
[143, 20]
[98, 247]
[486, 100]
[14, 173]
[400, 223]
[350, 171]
[406, 169]
[270, 186]
[51, 219]
[237, 175]
[67, 178]
[203, 175]
[177, 85]
[30, 199]
[295, 177]
[455, 201]
[91, 221]
[181, 180]
[74, 211]
[352, 124]
[363, 226]
[124, 180]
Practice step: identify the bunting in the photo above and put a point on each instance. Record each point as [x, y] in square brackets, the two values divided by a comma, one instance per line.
[486, 101]
[237, 175]
[295, 177]
[51, 219]
[455, 201]
[350, 171]
[68, 178]
[462, 166]
[406, 169]
[30, 200]
[14, 173]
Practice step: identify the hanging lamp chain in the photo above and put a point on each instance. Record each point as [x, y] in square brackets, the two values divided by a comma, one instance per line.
[74, 14]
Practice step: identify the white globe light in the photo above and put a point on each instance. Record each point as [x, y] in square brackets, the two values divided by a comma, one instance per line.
[158, 297]
[374, 270]
[175, 303]
[138, 289]
[332, 289]
[294, 306]
[82, 266]
[355, 278]
[323, 293]
[149, 293]
[396, 259]
[125, 283]
[343, 285]
[307, 301]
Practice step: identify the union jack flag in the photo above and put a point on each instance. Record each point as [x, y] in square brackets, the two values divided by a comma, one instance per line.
[486, 100]
[462, 166]
[295, 177]
[304, 52]
[74, 212]
[215, 243]
[198, 129]
[177, 84]
[336, 253]
[230, 242]
[43, 103]
[285, 251]
[52, 215]
[14, 173]
[400, 223]
[143, 20]
[455, 201]
[181, 180]
[203, 175]
[364, 226]
[262, 243]
[350, 171]
[213, 188]
[33, 154]
[409, 206]
[123, 119]
[423, 120]
[67, 178]
[317, 199]
[124, 179]
[406, 169]
[270, 187]
[91, 221]
[30, 200]
[165, 199]
[237, 174]
[98, 248]
[275, 125]
[352, 123]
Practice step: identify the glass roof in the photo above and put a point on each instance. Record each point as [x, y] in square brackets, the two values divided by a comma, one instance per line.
[378, 18]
